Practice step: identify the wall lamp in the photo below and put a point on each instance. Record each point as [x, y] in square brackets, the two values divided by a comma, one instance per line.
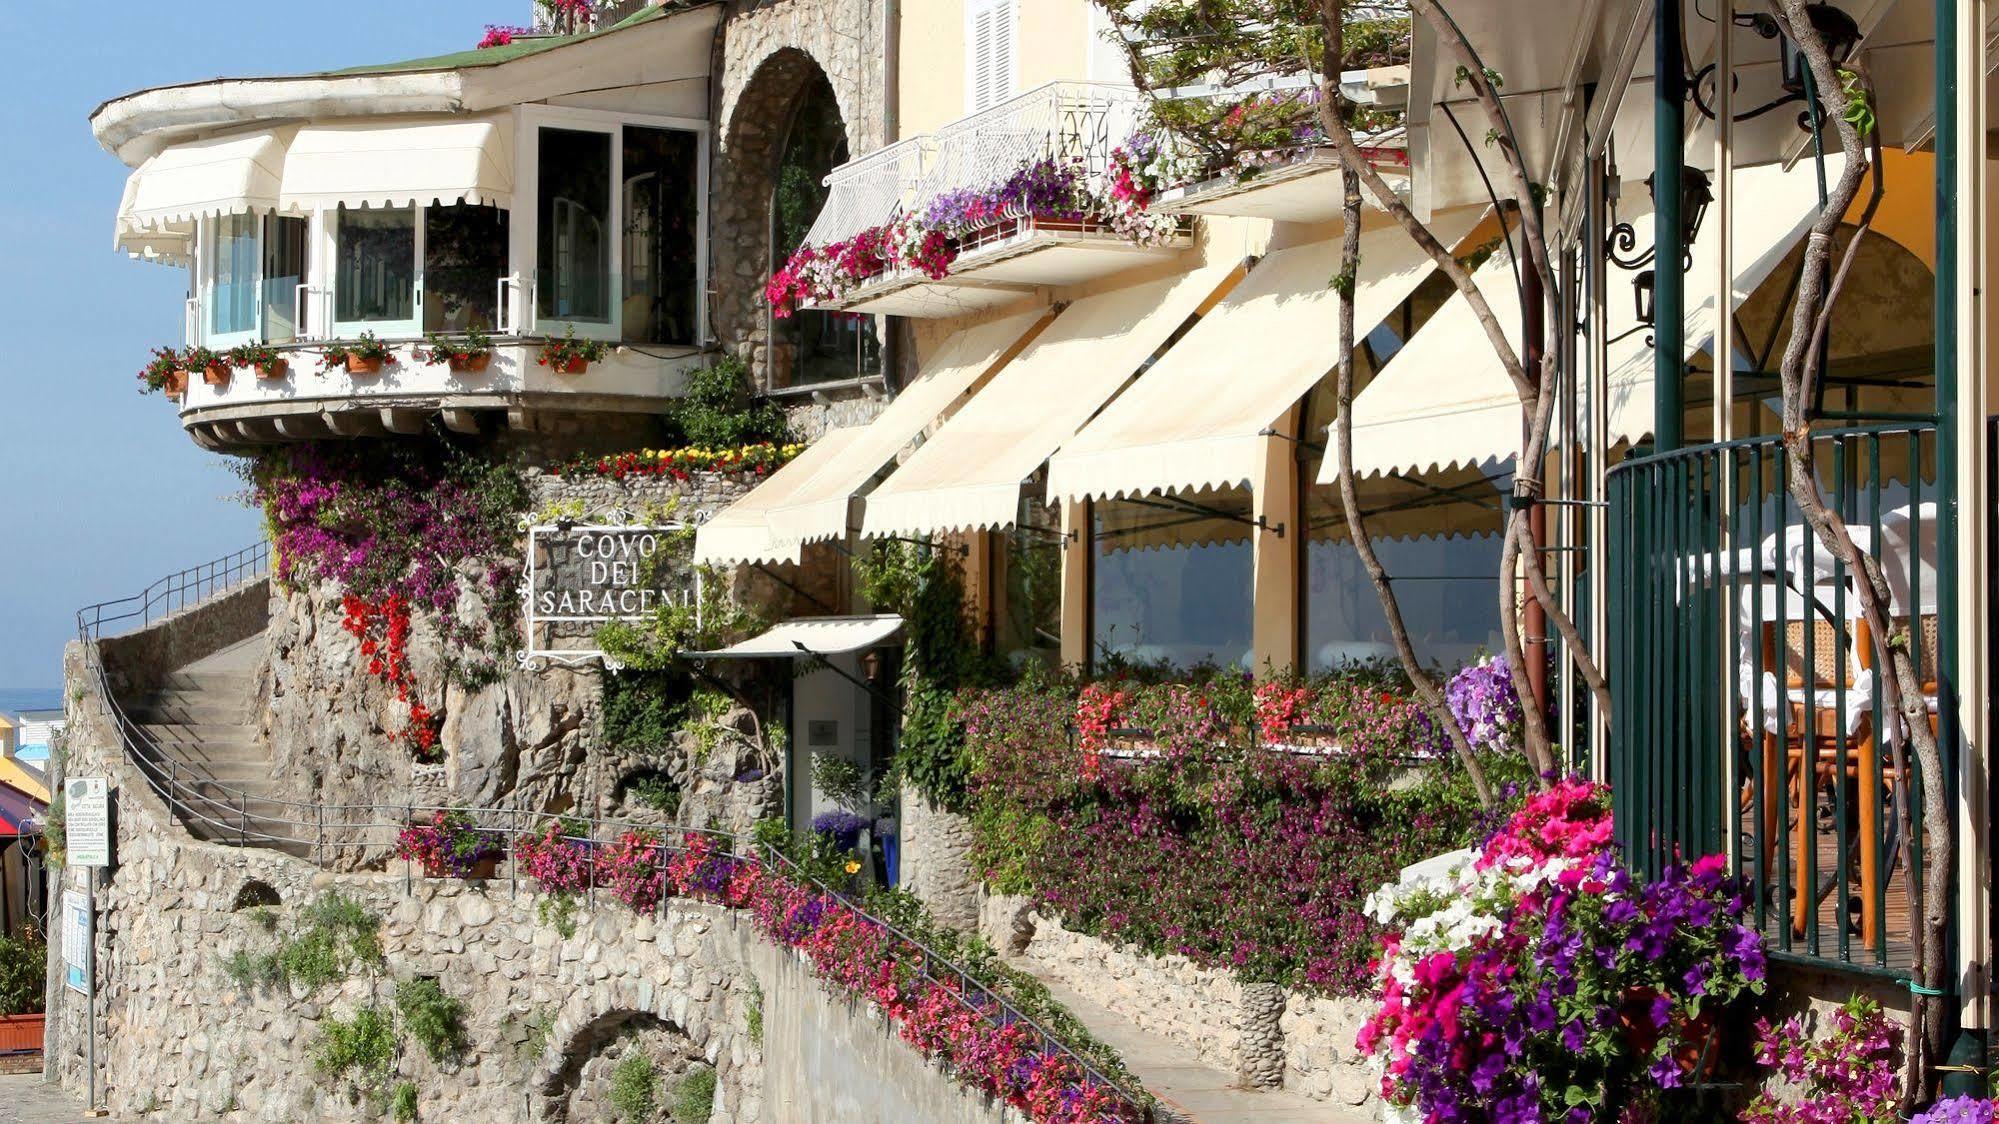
[1842, 38]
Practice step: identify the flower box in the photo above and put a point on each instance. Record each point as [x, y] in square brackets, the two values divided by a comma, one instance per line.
[275, 370]
[572, 367]
[216, 374]
[176, 385]
[470, 365]
[21, 1033]
[359, 365]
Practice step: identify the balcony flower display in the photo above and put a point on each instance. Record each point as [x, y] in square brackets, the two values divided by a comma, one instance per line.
[758, 459]
[633, 869]
[448, 845]
[1850, 1073]
[163, 374]
[213, 365]
[1536, 979]
[364, 355]
[569, 355]
[468, 354]
[268, 361]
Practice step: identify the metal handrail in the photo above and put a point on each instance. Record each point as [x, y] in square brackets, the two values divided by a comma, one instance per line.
[202, 801]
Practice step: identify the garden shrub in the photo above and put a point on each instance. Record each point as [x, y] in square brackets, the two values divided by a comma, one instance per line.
[334, 937]
[434, 1019]
[362, 1046]
[402, 1103]
[719, 411]
[643, 710]
[635, 1087]
[24, 966]
[694, 1096]
[1217, 848]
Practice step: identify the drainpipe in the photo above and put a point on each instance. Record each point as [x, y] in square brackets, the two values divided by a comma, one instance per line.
[1669, 294]
[1534, 621]
[893, 339]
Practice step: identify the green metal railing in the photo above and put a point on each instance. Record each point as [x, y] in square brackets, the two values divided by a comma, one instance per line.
[1749, 702]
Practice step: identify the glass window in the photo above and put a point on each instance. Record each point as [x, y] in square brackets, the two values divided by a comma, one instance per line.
[1028, 581]
[1171, 580]
[284, 272]
[232, 296]
[811, 345]
[573, 248]
[1446, 582]
[375, 266]
[464, 256]
[662, 214]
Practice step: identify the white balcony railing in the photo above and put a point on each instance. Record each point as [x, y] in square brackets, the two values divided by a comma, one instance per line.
[1081, 121]
[871, 191]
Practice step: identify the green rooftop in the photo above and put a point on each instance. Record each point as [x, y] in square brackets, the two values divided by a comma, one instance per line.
[519, 48]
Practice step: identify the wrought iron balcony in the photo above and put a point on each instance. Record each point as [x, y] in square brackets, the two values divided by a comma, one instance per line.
[875, 189]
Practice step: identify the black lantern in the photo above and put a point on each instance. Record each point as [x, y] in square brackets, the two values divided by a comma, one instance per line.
[1696, 193]
[1841, 36]
[1642, 287]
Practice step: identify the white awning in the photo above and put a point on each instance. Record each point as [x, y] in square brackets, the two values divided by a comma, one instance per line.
[822, 510]
[741, 532]
[167, 244]
[811, 636]
[1445, 402]
[401, 162]
[968, 475]
[219, 176]
[1196, 418]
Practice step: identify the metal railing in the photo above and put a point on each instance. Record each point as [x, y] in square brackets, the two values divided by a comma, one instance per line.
[1750, 704]
[871, 191]
[361, 834]
[1067, 121]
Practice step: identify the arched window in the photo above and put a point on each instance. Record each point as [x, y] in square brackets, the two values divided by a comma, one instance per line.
[814, 346]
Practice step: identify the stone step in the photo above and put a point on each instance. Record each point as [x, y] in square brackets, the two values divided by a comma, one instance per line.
[191, 708]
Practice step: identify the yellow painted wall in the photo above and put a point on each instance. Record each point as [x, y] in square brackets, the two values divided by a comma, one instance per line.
[1051, 44]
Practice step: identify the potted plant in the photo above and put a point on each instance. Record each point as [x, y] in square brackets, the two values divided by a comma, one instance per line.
[468, 355]
[571, 356]
[449, 845]
[213, 365]
[366, 355]
[163, 374]
[262, 356]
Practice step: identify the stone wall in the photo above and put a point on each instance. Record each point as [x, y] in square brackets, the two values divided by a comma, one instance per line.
[141, 660]
[936, 861]
[1265, 1035]
[546, 1015]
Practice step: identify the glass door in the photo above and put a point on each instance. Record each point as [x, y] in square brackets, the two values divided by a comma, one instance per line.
[284, 307]
[375, 286]
[231, 297]
[575, 232]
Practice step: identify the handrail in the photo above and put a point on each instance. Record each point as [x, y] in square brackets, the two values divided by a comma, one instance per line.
[1691, 452]
[197, 800]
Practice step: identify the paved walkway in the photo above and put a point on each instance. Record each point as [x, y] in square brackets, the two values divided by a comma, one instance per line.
[26, 1099]
[1186, 1086]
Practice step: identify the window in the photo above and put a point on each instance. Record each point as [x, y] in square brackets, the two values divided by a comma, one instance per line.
[284, 271]
[1027, 586]
[232, 278]
[374, 271]
[989, 35]
[1172, 580]
[662, 208]
[617, 226]
[464, 255]
[812, 345]
[573, 209]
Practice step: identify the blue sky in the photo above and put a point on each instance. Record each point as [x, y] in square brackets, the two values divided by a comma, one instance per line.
[100, 491]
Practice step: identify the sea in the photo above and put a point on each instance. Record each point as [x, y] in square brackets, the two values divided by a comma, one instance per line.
[14, 700]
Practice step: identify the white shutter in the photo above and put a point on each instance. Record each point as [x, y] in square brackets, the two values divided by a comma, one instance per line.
[989, 28]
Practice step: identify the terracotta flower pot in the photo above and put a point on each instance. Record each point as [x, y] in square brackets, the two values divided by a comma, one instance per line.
[273, 370]
[471, 365]
[216, 374]
[176, 385]
[356, 365]
[573, 366]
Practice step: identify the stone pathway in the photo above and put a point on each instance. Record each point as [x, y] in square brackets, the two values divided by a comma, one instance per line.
[1188, 1088]
[26, 1099]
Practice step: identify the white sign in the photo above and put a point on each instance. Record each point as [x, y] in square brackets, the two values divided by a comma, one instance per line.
[87, 821]
[75, 938]
[581, 576]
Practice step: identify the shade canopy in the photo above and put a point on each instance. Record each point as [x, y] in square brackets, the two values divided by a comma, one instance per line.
[741, 532]
[226, 175]
[969, 474]
[1445, 402]
[823, 508]
[1197, 418]
[811, 636]
[416, 161]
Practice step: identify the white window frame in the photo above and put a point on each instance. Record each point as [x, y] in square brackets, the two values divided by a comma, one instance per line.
[328, 241]
[208, 232]
[1006, 84]
[524, 316]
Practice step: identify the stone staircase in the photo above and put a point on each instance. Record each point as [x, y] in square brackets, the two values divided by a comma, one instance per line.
[204, 718]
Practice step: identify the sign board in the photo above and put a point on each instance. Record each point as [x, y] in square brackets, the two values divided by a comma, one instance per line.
[87, 814]
[582, 576]
[75, 939]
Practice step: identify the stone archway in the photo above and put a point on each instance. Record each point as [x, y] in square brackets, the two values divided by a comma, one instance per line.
[614, 1057]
